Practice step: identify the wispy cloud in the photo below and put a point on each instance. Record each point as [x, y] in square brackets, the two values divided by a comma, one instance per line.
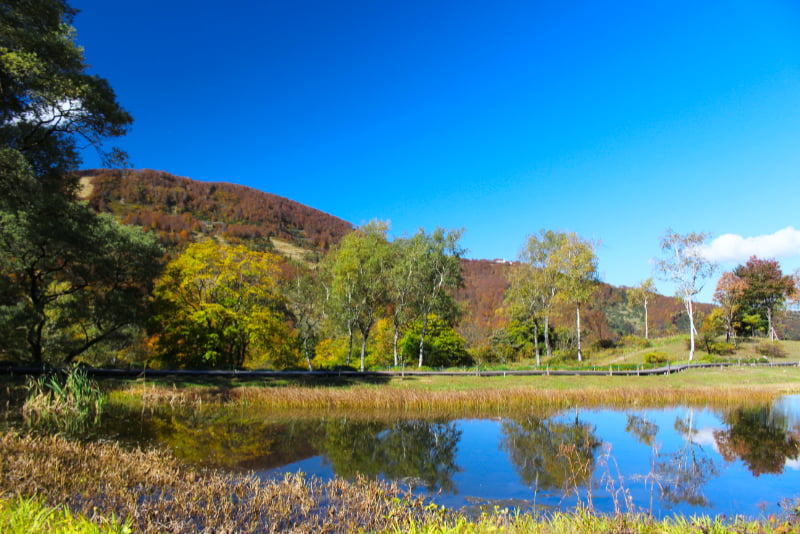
[731, 247]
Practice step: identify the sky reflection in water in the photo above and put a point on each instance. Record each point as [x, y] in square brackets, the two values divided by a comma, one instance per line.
[668, 461]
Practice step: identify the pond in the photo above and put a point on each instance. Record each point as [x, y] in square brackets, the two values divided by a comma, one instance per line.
[738, 461]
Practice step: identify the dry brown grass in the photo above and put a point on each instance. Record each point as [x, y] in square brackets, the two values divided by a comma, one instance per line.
[371, 401]
[159, 494]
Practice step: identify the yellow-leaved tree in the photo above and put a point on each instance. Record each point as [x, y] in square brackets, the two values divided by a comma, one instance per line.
[220, 306]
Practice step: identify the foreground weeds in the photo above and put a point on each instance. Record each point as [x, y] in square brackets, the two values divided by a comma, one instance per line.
[585, 522]
[156, 493]
[30, 516]
[51, 478]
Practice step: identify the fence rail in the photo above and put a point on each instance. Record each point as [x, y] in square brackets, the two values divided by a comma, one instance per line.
[609, 371]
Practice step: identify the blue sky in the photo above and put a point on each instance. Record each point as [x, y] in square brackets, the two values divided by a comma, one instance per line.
[614, 120]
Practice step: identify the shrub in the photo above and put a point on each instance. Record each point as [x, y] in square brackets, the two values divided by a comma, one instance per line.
[721, 348]
[770, 350]
[567, 356]
[655, 357]
[635, 342]
[602, 344]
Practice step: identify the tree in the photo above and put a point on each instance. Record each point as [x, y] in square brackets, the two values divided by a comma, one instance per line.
[729, 292]
[443, 346]
[766, 288]
[304, 298]
[640, 295]
[438, 269]
[69, 279]
[533, 284]
[401, 287]
[72, 282]
[686, 267]
[576, 267]
[359, 267]
[220, 306]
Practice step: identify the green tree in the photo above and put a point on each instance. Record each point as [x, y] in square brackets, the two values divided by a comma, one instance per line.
[534, 283]
[640, 295]
[443, 346]
[220, 306]
[766, 288]
[69, 278]
[305, 299]
[684, 265]
[401, 288]
[576, 265]
[437, 272]
[358, 268]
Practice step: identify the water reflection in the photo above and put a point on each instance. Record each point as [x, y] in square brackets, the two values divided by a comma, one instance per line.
[680, 460]
[551, 454]
[760, 438]
[682, 474]
[420, 453]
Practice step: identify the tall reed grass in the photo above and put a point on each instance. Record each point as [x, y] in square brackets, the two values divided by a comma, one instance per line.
[414, 402]
[63, 400]
[157, 493]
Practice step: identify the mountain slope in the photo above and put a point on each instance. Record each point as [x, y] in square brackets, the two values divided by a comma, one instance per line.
[180, 208]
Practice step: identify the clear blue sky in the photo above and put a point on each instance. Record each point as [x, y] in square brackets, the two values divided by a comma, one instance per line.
[614, 120]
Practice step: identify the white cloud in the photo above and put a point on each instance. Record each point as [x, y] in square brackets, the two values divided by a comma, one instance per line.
[735, 248]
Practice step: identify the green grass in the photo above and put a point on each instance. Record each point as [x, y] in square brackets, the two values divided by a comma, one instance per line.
[584, 521]
[20, 515]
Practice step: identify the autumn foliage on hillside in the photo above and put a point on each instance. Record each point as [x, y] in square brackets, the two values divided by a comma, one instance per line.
[180, 208]
[609, 314]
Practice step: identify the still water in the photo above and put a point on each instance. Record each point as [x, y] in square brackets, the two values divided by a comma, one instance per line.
[736, 461]
[665, 461]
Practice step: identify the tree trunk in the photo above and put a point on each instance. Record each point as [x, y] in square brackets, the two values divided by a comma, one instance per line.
[349, 343]
[307, 353]
[691, 328]
[363, 351]
[536, 343]
[646, 332]
[396, 336]
[769, 325]
[547, 336]
[578, 326]
[422, 339]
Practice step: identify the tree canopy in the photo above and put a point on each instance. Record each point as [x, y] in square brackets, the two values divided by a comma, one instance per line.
[69, 279]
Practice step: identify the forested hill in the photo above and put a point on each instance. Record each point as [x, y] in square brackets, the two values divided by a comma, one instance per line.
[180, 209]
[608, 314]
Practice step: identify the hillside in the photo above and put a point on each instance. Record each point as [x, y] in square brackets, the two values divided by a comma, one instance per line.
[607, 316]
[180, 209]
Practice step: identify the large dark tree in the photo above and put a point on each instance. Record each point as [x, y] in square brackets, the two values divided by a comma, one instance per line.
[68, 278]
[765, 290]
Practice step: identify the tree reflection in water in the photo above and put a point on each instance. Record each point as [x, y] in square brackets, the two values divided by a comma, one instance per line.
[760, 438]
[415, 452]
[551, 454]
[683, 474]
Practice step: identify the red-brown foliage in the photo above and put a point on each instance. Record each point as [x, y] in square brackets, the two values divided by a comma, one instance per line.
[179, 208]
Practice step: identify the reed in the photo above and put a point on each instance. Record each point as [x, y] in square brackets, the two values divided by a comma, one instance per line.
[156, 493]
[67, 401]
